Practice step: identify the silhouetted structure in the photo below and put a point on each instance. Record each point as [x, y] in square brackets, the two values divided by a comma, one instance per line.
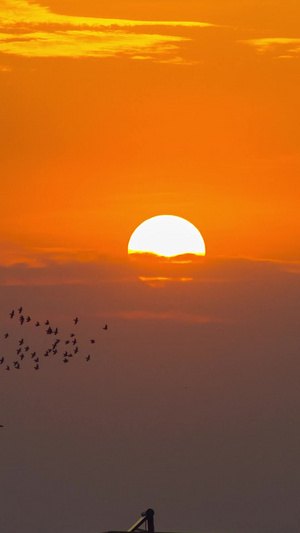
[146, 518]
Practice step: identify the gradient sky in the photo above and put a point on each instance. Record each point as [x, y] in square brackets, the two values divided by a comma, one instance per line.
[112, 113]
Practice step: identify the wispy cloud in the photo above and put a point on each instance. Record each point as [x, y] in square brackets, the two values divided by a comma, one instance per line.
[167, 315]
[30, 30]
[280, 46]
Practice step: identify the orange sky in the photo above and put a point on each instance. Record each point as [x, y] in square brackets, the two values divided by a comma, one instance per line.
[112, 112]
[109, 121]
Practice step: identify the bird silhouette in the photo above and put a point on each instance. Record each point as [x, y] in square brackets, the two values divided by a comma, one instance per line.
[92, 341]
[21, 318]
[7, 368]
[22, 356]
[88, 358]
[11, 314]
[105, 327]
[6, 335]
[37, 324]
[1, 360]
[20, 310]
[28, 319]
[21, 341]
[65, 360]
[47, 323]
[37, 367]
[75, 320]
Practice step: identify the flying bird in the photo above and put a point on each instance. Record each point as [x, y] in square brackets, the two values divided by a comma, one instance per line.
[11, 314]
[105, 327]
[28, 319]
[21, 318]
[37, 324]
[36, 367]
[47, 323]
[65, 360]
[6, 335]
[75, 320]
[21, 342]
[92, 341]
[1, 360]
[88, 358]
[20, 310]
[7, 368]
[22, 356]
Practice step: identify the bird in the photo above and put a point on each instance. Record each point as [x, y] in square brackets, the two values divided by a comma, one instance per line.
[76, 349]
[21, 342]
[6, 335]
[19, 351]
[65, 360]
[74, 341]
[92, 341]
[49, 331]
[7, 368]
[17, 366]
[67, 342]
[1, 360]
[72, 334]
[33, 354]
[55, 332]
[20, 310]
[88, 358]
[22, 356]
[21, 318]
[28, 319]
[37, 367]
[105, 327]
[36, 360]
[11, 314]
[47, 323]
[37, 324]
[75, 320]
[26, 348]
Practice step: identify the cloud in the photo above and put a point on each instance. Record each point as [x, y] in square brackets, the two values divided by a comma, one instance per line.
[173, 316]
[275, 45]
[30, 30]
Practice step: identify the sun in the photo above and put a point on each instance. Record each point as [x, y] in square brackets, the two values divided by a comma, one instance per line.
[168, 236]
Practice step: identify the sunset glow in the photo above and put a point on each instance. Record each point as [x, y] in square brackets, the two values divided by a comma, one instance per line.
[150, 265]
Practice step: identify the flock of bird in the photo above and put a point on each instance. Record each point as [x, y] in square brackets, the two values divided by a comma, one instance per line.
[65, 348]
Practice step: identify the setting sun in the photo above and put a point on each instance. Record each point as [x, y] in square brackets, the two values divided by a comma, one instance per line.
[167, 236]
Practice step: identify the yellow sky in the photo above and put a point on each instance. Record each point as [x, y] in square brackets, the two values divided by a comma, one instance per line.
[114, 114]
